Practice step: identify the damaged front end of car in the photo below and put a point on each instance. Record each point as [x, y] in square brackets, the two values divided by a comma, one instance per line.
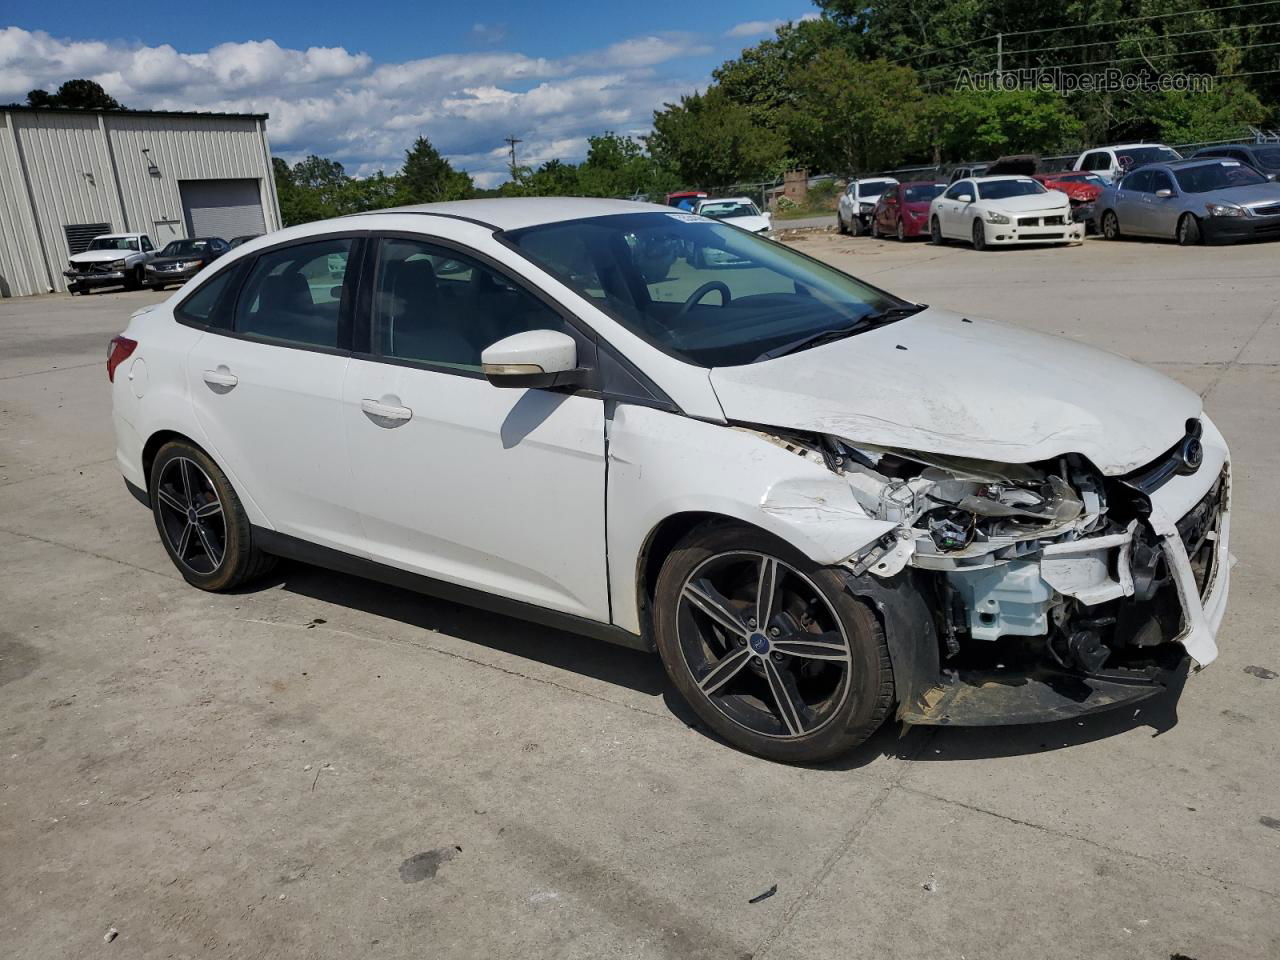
[1018, 593]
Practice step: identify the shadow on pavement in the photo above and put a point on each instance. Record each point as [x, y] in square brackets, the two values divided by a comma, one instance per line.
[643, 673]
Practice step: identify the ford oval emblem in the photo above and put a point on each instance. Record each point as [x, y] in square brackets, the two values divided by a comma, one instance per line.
[1191, 454]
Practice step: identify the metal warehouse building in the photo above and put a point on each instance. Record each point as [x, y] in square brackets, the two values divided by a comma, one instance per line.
[68, 175]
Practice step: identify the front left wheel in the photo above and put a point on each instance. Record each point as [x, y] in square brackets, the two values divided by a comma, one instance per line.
[768, 648]
[979, 235]
[201, 521]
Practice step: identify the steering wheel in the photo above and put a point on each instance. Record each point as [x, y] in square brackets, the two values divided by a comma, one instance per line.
[702, 291]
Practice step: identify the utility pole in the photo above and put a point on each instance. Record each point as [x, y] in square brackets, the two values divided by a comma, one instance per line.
[999, 61]
[511, 141]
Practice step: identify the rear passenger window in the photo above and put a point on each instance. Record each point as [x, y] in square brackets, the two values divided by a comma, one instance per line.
[432, 305]
[295, 294]
[201, 308]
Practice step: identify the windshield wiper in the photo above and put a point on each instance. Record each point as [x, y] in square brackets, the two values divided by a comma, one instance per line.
[839, 333]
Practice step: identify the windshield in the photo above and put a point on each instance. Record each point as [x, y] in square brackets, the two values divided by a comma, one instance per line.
[922, 192]
[113, 243]
[1003, 189]
[184, 248]
[1131, 157]
[1218, 176]
[873, 188]
[1268, 156]
[720, 209]
[702, 291]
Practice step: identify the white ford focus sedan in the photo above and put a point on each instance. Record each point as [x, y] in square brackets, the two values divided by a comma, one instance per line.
[821, 504]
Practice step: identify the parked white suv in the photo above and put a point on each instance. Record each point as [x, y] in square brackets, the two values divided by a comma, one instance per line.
[113, 259]
[821, 504]
[1111, 163]
[853, 212]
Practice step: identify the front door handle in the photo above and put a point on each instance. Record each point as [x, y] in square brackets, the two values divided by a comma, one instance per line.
[222, 377]
[393, 414]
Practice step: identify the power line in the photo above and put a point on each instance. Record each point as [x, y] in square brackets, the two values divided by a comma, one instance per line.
[1153, 56]
[1090, 26]
[1162, 36]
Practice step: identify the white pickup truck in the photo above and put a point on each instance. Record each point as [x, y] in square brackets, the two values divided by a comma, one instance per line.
[110, 260]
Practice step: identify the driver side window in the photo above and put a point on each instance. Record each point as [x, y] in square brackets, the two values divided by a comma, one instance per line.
[435, 306]
[958, 189]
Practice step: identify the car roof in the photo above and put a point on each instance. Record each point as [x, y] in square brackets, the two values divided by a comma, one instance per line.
[1009, 176]
[725, 200]
[921, 183]
[1129, 146]
[117, 236]
[514, 213]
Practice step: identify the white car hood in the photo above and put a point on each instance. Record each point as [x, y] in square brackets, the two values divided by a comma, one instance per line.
[1053, 200]
[940, 383]
[754, 224]
[101, 256]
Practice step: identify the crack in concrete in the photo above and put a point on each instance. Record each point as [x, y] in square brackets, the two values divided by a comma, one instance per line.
[1235, 361]
[70, 366]
[1067, 835]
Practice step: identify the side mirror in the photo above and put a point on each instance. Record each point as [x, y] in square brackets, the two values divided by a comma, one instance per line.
[1164, 193]
[535, 358]
[965, 198]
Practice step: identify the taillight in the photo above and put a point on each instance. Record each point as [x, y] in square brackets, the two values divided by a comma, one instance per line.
[121, 350]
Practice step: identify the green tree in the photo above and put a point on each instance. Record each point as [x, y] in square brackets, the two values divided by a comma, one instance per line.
[75, 95]
[708, 140]
[427, 177]
[854, 116]
[762, 77]
[974, 124]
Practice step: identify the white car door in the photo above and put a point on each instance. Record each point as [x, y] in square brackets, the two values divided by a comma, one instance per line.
[265, 383]
[495, 489]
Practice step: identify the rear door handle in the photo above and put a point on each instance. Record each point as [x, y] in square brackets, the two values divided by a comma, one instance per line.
[222, 377]
[378, 410]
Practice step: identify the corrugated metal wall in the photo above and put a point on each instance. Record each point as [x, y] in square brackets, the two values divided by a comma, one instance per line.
[96, 167]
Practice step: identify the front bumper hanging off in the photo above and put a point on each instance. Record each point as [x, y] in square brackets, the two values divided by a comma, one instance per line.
[1096, 572]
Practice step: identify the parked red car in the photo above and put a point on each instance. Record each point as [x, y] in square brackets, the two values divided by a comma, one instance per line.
[1082, 189]
[903, 211]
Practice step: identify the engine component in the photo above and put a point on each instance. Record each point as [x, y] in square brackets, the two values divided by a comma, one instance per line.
[951, 529]
[1009, 599]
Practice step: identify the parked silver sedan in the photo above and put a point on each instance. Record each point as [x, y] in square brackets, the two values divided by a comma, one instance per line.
[1192, 201]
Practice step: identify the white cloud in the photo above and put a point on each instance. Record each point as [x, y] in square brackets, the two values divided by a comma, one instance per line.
[342, 104]
[759, 28]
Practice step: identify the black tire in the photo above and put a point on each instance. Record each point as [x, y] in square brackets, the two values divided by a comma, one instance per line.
[874, 229]
[1188, 231]
[840, 227]
[183, 486]
[1110, 225]
[935, 233]
[979, 234]
[135, 279]
[855, 226]
[901, 232]
[836, 701]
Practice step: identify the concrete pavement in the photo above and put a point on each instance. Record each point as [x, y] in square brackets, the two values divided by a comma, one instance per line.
[324, 767]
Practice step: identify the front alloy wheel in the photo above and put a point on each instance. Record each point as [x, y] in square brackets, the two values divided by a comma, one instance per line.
[902, 233]
[935, 232]
[979, 235]
[1110, 225]
[1188, 230]
[770, 650]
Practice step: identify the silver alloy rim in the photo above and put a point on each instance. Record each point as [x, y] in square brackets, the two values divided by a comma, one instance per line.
[902, 234]
[763, 644]
[191, 516]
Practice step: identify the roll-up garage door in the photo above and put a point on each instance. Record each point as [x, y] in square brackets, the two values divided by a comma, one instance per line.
[222, 208]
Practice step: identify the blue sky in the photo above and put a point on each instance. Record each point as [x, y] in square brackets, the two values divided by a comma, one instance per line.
[359, 87]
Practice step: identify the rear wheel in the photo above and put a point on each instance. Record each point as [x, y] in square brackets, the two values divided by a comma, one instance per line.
[768, 648]
[1188, 230]
[201, 522]
[1111, 225]
[979, 235]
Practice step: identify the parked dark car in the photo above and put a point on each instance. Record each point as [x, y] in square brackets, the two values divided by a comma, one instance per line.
[236, 241]
[1205, 198]
[1263, 157]
[903, 210]
[181, 260]
[967, 172]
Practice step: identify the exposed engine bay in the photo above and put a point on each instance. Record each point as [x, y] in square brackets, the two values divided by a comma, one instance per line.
[1049, 570]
